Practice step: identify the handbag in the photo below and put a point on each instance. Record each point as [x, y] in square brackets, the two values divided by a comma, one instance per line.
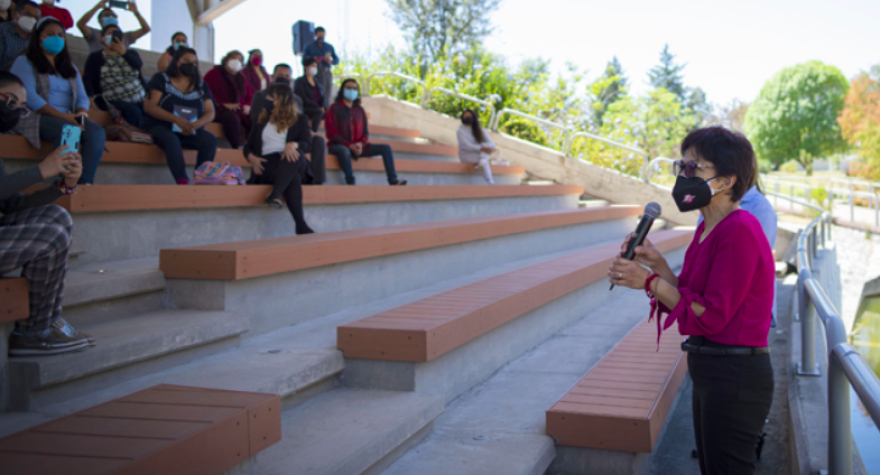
[215, 173]
[122, 131]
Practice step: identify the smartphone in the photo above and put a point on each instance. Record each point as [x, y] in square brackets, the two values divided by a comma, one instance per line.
[81, 120]
[70, 138]
[123, 4]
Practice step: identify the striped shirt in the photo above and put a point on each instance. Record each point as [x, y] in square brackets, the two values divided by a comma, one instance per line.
[11, 44]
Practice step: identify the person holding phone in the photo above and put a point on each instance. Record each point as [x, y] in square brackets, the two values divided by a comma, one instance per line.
[56, 92]
[325, 55]
[35, 236]
[113, 77]
[178, 107]
[107, 17]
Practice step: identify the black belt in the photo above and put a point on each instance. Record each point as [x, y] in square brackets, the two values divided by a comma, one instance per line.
[701, 346]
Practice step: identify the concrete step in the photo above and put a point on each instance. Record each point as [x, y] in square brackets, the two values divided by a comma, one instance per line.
[498, 426]
[347, 432]
[592, 203]
[125, 349]
[100, 292]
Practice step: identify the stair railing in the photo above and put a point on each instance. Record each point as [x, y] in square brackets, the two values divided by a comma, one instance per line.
[397, 75]
[459, 95]
[587, 135]
[549, 123]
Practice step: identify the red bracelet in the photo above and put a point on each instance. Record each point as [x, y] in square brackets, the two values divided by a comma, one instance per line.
[648, 284]
[67, 190]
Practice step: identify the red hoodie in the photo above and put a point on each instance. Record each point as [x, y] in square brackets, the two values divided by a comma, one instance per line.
[345, 125]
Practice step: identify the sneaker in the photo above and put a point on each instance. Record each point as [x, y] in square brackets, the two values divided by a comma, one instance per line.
[48, 342]
[398, 183]
[68, 330]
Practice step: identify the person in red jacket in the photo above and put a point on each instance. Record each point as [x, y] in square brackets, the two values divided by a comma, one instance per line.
[62, 14]
[348, 134]
[233, 96]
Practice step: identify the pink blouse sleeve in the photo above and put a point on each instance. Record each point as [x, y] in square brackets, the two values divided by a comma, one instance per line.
[735, 261]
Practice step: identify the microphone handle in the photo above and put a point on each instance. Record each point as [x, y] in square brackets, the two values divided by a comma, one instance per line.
[637, 239]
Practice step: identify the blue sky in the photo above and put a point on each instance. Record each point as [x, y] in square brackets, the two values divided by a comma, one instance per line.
[730, 48]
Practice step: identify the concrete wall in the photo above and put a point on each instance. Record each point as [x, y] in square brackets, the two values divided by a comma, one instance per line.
[546, 163]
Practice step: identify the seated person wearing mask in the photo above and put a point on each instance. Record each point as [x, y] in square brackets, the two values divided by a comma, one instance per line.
[177, 108]
[178, 40]
[15, 34]
[5, 10]
[310, 92]
[233, 95]
[348, 134]
[474, 144]
[56, 92]
[276, 149]
[35, 236]
[254, 73]
[61, 14]
[113, 78]
[315, 174]
[95, 37]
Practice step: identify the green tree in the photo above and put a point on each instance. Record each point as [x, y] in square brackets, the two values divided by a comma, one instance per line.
[607, 89]
[699, 107]
[667, 75]
[440, 28]
[795, 115]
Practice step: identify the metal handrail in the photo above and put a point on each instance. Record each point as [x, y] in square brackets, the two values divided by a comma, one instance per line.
[845, 365]
[337, 79]
[567, 147]
[549, 123]
[397, 75]
[647, 169]
[459, 95]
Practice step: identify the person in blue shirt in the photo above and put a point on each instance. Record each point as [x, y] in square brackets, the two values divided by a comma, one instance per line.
[55, 91]
[325, 55]
[759, 206]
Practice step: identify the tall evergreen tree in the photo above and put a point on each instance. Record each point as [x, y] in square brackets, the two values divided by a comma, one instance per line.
[667, 74]
[607, 89]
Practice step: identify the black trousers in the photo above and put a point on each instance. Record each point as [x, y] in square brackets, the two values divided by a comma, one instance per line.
[731, 400]
[286, 180]
[316, 164]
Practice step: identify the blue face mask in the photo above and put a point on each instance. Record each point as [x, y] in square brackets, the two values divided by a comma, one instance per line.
[53, 44]
[107, 21]
[177, 46]
[108, 40]
[350, 94]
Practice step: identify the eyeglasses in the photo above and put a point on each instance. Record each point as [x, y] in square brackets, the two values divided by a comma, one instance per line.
[689, 169]
[12, 103]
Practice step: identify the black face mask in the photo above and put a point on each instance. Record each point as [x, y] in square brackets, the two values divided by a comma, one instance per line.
[8, 117]
[284, 81]
[467, 121]
[269, 105]
[187, 69]
[692, 193]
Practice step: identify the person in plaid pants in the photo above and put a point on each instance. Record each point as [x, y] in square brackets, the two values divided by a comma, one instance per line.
[35, 236]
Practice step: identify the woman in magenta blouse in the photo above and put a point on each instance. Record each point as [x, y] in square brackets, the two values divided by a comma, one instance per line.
[722, 298]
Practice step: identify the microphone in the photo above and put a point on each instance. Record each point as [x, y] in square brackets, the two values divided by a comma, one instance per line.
[652, 212]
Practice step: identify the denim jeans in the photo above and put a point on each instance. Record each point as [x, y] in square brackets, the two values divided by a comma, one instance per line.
[343, 154]
[92, 142]
[131, 111]
[173, 144]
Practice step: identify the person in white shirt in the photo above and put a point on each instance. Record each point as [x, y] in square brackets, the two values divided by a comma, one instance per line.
[474, 145]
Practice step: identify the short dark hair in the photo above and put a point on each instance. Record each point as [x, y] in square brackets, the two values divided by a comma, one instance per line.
[308, 61]
[176, 33]
[110, 27]
[340, 95]
[106, 10]
[730, 153]
[281, 65]
[7, 78]
[20, 5]
[321, 29]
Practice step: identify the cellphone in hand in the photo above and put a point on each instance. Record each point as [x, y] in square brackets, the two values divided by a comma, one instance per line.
[70, 138]
[123, 4]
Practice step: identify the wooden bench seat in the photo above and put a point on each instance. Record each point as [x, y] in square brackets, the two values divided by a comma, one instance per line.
[622, 402]
[13, 299]
[155, 197]
[16, 147]
[165, 429]
[248, 259]
[426, 329]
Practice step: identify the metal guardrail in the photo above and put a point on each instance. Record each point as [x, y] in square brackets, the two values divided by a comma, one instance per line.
[648, 168]
[459, 95]
[548, 123]
[847, 193]
[397, 75]
[845, 365]
[571, 138]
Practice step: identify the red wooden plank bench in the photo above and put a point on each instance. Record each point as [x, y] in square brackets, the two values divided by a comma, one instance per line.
[13, 299]
[249, 259]
[426, 329]
[622, 402]
[165, 429]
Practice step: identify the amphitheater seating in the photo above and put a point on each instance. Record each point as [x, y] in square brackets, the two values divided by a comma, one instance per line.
[164, 429]
[428, 328]
[13, 300]
[248, 259]
[622, 402]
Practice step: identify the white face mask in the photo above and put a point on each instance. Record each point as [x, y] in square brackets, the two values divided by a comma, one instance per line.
[234, 65]
[27, 23]
[4, 4]
[312, 70]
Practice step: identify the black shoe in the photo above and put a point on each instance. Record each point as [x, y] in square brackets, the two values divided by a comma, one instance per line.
[274, 202]
[305, 230]
[68, 330]
[48, 342]
[349, 182]
[398, 183]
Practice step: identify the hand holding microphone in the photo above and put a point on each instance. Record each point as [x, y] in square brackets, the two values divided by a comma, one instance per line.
[652, 212]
